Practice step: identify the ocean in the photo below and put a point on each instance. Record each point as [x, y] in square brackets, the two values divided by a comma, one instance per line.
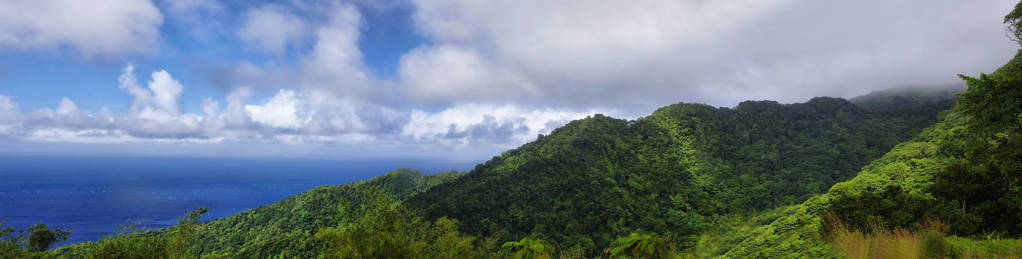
[97, 196]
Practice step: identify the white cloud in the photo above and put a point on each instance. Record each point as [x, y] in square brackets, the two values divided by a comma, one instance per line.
[283, 110]
[332, 61]
[127, 82]
[155, 115]
[236, 115]
[163, 95]
[495, 73]
[448, 73]
[7, 105]
[335, 61]
[641, 55]
[272, 29]
[578, 52]
[66, 107]
[8, 112]
[505, 125]
[93, 27]
[101, 136]
[303, 116]
[166, 92]
[335, 114]
[316, 112]
[156, 111]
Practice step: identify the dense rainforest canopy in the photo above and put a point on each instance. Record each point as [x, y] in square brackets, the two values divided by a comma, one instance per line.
[599, 178]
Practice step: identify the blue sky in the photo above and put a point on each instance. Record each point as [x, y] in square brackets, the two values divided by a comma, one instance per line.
[441, 78]
[386, 35]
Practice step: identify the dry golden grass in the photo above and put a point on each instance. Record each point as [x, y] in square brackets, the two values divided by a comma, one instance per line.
[875, 241]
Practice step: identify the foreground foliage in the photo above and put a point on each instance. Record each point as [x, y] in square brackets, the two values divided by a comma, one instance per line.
[381, 227]
[29, 243]
[173, 242]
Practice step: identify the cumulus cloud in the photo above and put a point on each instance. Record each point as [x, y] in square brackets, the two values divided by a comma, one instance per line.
[162, 96]
[283, 110]
[154, 116]
[641, 55]
[495, 73]
[335, 61]
[291, 116]
[93, 27]
[272, 29]
[313, 111]
[326, 95]
[332, 60]
[9, 114]
[485, 123]
[67, 107]
[156, 111]
[439, 73]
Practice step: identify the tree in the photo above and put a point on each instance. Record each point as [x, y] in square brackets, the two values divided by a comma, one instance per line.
[640, 246]
[32, 242]
[41, 237]
[375, 226]
[186, 228]
[527, 248]
[1014, 21]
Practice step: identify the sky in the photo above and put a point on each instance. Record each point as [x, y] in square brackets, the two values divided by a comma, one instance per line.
[446, 79]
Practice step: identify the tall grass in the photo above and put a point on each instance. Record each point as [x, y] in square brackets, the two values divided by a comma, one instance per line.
[876, 241]
[926, 240]
[991, 247]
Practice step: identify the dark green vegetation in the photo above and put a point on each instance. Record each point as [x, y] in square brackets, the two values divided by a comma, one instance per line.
[600, 178]
[965, 171]
[287, 228]
[31, 242]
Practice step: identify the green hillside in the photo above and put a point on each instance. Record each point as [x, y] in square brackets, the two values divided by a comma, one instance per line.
[600, 178]
[965, 170]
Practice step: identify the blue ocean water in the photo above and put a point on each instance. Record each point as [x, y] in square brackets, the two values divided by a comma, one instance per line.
[96, 196]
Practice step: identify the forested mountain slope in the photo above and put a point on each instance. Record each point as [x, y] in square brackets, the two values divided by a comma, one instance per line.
[599, 178]
[965, 170]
